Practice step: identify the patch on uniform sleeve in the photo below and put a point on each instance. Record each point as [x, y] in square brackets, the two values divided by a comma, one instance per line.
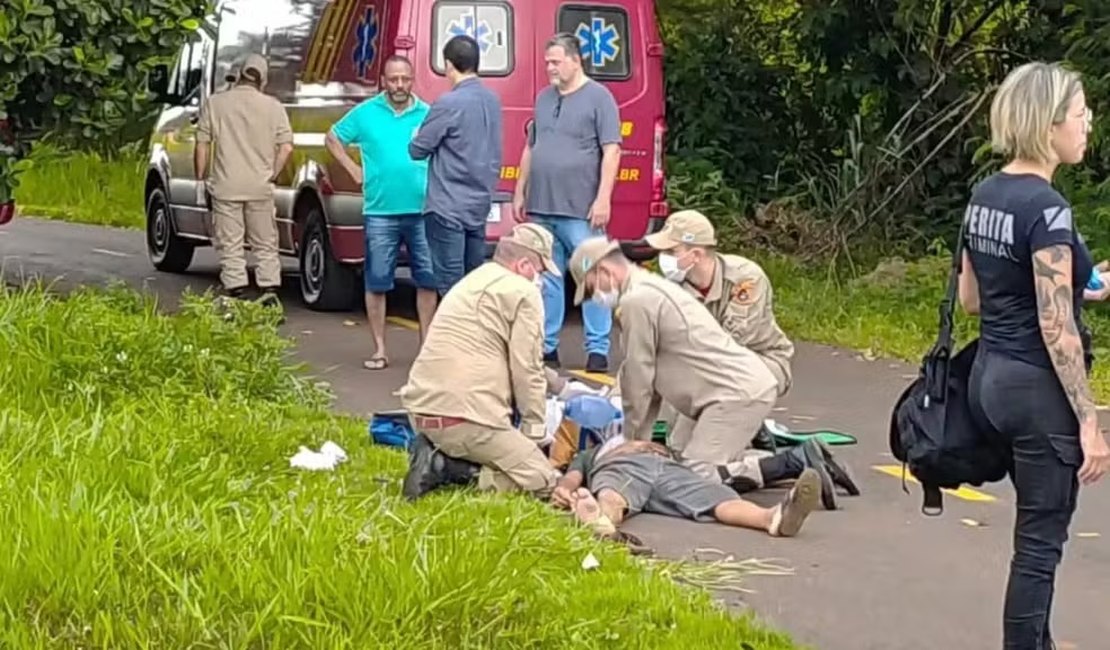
[744, 293]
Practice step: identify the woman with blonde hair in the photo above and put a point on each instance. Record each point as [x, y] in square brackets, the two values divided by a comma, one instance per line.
[1026, 272]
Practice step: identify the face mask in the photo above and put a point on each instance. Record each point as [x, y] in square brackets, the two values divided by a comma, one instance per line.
[538, 281]
[607, 299]
[668, 264]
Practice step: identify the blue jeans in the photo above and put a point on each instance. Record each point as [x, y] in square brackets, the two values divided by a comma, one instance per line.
[456, 249]
[597, 320]
[1025, 406]
[384, 234]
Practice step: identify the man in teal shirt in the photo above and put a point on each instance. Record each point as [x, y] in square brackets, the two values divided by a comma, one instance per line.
[393, 189]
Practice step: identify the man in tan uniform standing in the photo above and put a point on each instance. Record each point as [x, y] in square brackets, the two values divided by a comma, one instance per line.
[483, 354]
[253, 141]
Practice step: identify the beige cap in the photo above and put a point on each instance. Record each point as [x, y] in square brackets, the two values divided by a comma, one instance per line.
[585, 257]
[536, 239]
[257, 63]
[683, 227]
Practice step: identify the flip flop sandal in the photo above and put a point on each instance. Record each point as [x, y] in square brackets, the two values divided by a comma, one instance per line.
[376, 363]
[635, 545]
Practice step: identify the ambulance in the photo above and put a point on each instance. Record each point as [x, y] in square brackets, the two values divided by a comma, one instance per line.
[325, 56]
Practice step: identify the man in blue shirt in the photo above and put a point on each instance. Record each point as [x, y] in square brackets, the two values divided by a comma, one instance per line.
[462, 137]
[393, 189]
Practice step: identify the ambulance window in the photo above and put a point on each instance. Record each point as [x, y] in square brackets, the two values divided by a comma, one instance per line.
[603, 35]
[489, 23]
[189, 73]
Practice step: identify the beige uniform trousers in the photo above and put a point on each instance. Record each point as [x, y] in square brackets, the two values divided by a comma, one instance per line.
[510, 461]
[720, 436]
[234, 221]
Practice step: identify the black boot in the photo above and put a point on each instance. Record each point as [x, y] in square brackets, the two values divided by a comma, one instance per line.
[426, 469]
[460, 472]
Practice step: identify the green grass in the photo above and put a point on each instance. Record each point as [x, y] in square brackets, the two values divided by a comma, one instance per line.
[84, 188]
[148, 502]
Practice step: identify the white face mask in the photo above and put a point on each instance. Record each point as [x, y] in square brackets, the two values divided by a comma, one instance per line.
[538, 281]
[668, 264]
[608, 299]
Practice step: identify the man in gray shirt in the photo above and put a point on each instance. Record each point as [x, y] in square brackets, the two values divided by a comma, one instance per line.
[462, 136]
[567, 172]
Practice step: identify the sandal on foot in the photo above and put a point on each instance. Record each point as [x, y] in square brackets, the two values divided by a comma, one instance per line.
[376, 363]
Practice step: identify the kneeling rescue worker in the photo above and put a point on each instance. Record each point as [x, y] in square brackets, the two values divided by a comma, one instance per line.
[676, 352]
[483, 354]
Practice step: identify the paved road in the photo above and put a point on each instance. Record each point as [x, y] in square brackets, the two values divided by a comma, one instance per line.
[876, 575]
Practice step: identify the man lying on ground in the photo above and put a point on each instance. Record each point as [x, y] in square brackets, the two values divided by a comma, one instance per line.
[628, 477]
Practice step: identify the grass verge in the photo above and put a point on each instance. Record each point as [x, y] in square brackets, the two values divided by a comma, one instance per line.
[84, 188]
[148, 503]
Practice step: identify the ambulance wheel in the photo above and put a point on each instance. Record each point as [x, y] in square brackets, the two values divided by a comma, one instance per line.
[167, 251]
[326, 285]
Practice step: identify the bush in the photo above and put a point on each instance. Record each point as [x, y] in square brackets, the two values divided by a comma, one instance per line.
[149, 504]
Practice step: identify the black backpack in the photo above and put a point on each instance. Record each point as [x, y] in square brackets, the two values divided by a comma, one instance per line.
[932, 430]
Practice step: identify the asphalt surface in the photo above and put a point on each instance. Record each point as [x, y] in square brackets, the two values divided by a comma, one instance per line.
[876, 575]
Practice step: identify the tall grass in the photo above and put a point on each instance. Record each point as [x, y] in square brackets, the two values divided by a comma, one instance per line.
[84, 187]
[147, 502]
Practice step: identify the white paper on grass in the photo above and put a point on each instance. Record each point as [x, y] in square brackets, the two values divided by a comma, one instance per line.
[327, 458]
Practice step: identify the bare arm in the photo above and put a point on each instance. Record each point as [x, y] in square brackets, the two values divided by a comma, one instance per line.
[968, 286]
[200, 160]
[283, 152]
[339, 152]
[610, 164]
[525, 170]
[1053, 281]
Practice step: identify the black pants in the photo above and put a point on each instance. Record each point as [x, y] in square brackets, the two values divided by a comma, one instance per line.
[1026, 407]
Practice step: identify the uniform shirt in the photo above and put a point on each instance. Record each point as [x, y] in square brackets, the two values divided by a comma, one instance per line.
[740, 298]
[1009, 218]
[483, 350]
[392, 182]
[676, 351]
[566, 138]
[246, 126]
[462, 136]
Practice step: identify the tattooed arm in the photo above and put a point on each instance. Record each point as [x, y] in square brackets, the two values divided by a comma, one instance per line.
[1053, 282]
[969, 286]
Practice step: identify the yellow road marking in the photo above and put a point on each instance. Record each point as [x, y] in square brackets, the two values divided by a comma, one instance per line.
[403, 322]
[595, 377]
[965, 493]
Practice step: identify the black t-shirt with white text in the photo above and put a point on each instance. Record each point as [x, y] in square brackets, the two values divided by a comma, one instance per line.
[1009, 218]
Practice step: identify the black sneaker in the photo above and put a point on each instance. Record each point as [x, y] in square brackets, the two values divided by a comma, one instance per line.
[810, 453]
[551, 359]
[425, 469]
[268, 297]
[597, 363]
[840, 473]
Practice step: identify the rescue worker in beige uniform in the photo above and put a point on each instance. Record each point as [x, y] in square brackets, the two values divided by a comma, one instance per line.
[735, 289]
[676, 352]
[738, 294]
[253, 140]
[483, 354]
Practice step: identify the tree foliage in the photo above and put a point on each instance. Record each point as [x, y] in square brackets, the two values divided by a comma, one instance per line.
[74, 71]
[868, 114]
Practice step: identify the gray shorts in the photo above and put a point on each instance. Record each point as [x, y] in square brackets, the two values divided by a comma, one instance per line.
[652, 483]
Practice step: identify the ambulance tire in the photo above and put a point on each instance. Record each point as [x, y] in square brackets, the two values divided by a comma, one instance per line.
[326, 284]
[167, 251]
